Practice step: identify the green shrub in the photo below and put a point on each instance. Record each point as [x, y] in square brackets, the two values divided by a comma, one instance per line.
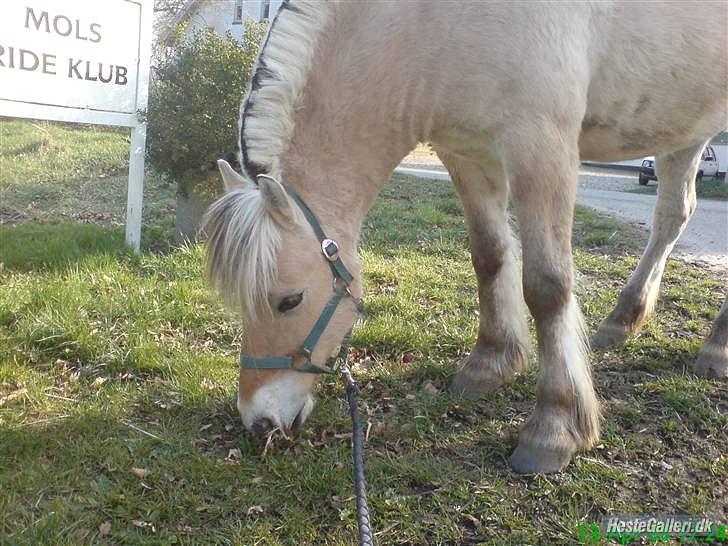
[193, 114]
[195, 99]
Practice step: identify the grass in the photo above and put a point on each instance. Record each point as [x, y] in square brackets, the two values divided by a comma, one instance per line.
[42, 152]
[710, 189]
[118, 376]
[73, 173]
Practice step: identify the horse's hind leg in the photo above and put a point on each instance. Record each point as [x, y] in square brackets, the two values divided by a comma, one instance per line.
[543, 175]
[675, 206]
[501, 350]
[713, 357]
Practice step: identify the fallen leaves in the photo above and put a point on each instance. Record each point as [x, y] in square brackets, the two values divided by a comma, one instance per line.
[140, 472]
[407, 357]
[17, 390]
[429, 388]
[144, 525]
[233, 457]
[104, 528]
[208, 385]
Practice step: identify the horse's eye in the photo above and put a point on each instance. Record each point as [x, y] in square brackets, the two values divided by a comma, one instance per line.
[289, 302]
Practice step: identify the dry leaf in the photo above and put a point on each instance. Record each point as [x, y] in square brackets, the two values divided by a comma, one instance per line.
[105, 528]
[12, 395]
[407, 357]
[207, 384]
[144, 525]
[256, 509]
[140, 472]
[429, 388]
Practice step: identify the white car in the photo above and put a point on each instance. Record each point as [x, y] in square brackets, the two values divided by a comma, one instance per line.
[708, 167]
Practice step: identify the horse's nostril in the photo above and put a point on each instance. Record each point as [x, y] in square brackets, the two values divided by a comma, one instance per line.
[263, 426]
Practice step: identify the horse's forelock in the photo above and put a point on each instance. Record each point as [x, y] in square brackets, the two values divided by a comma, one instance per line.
[242, 245]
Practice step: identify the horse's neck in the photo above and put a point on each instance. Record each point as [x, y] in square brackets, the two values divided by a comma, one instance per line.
[366, 105]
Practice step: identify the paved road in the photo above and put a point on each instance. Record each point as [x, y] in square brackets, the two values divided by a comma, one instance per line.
[704, 240]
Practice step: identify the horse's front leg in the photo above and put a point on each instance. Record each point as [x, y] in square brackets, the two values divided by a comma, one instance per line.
[502, 348]
[543, 177]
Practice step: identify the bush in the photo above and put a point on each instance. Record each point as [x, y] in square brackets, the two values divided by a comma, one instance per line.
[193, 110]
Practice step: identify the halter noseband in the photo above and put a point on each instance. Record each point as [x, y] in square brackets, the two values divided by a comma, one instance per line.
[330, 250]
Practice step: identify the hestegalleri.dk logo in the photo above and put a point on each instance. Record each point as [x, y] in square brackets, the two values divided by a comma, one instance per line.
[625, 529]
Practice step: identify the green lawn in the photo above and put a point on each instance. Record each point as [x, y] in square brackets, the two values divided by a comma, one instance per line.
[42, 152]
[98, 350]
[55, 171]
[118, 377]
[710, 189]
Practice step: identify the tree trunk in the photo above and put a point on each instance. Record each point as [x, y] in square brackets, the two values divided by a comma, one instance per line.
[191, 206]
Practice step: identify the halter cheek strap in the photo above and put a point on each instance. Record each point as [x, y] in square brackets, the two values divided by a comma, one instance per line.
[330, 250]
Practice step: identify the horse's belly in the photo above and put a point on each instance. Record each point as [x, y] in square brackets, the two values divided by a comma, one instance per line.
[605, 143]
[656, 92]
[614, 136]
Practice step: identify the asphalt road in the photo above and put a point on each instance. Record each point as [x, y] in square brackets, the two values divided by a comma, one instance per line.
[705, 240]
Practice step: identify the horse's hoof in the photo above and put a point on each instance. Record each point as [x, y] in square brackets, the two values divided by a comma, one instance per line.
[712, 362]
[531, 459]
[609, 334]
[484, 370]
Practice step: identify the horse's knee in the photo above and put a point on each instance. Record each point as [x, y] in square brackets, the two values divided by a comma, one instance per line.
[546, 291]
[489, 251]
[488, 259]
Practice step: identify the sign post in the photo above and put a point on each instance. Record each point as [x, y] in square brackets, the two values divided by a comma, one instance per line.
[81, 61]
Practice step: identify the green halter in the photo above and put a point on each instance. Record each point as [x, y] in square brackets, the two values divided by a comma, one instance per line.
[330, 250]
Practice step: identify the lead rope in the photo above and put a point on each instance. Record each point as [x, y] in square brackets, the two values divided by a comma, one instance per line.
[366, 538]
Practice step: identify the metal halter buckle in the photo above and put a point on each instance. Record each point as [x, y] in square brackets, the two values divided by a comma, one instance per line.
[331, 255]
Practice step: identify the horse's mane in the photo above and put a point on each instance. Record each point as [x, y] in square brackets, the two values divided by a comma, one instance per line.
[242, 245]
[284, 62]
[242, 239]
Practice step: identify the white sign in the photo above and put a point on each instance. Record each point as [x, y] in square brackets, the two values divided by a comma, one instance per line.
[81, 61]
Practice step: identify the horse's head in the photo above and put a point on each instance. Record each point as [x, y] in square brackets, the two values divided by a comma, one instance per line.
[267, 260]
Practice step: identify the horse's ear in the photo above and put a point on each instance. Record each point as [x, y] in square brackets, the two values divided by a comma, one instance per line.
[276, 200]
[230, 179]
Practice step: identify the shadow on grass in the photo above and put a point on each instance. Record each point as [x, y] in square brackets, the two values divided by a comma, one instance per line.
[202, 472]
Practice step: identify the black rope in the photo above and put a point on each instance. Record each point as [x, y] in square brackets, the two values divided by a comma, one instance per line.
[366, 537]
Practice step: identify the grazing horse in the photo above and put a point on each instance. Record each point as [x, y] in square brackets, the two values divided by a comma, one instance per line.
[511, 95]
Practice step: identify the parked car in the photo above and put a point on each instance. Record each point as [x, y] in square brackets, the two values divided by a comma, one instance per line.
[708, 167]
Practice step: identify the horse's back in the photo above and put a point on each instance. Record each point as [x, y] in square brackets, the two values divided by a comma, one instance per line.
[638, 77]
[658, 81]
